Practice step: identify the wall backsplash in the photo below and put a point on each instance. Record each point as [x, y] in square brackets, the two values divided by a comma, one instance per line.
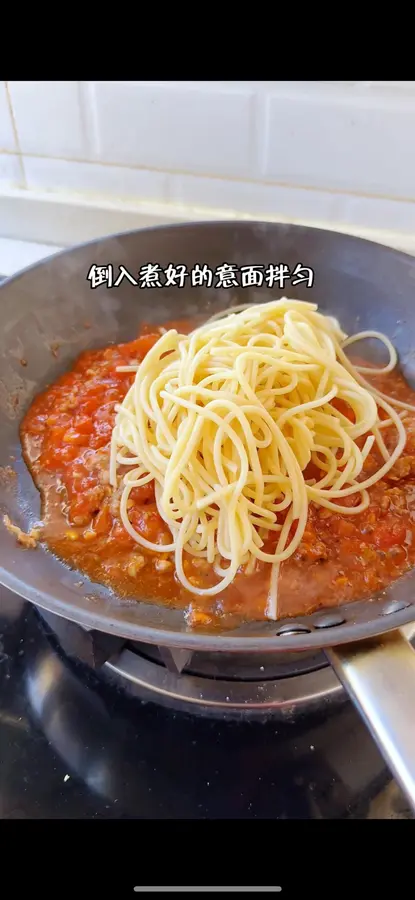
[304, 151]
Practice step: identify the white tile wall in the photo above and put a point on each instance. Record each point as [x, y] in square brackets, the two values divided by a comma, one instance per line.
[363, 143]
[188, 128]
[10, 170]
[49, 118]
[328, 151]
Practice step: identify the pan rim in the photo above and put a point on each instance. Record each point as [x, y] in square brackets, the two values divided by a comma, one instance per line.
[203, 223]
[230, 641]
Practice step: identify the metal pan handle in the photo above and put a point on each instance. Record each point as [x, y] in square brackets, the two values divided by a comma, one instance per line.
[379, 675]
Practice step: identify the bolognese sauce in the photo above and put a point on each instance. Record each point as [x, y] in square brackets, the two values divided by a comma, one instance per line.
[66, 437]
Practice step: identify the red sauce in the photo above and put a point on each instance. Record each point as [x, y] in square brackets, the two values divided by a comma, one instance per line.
[65, 436]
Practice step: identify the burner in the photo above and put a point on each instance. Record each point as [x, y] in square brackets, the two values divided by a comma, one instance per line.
[219, 685]
[223, 685]
[233, 687]
[91, 726]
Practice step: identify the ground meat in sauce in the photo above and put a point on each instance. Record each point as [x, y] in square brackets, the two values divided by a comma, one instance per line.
[66, 435]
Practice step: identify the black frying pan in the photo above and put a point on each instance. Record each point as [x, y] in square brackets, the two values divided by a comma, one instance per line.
[366, 285]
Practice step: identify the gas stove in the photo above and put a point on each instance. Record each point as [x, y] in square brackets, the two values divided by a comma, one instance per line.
[94, 727]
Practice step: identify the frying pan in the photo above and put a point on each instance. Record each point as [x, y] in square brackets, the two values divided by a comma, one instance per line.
[44, 311]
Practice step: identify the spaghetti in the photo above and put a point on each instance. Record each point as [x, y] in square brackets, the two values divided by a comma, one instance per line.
[227, 419]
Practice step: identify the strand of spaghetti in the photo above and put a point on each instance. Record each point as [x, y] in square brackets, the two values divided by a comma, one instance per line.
[366, 384]
[272, 599]
[377, 335]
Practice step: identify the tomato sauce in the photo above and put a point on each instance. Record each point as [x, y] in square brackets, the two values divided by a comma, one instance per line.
[65, 437]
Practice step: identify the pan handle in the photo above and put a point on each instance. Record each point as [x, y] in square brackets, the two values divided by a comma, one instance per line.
[379, 676]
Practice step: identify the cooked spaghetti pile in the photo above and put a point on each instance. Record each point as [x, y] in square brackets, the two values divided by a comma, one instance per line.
[226, 421]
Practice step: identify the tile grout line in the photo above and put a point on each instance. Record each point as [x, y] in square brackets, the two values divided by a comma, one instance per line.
[16, 136]
[88, 119]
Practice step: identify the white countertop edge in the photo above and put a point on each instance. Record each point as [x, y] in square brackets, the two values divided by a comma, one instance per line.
[34, 225]
[16, 255]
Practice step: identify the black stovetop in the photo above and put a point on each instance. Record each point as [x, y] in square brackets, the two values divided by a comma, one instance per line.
[74, 746]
